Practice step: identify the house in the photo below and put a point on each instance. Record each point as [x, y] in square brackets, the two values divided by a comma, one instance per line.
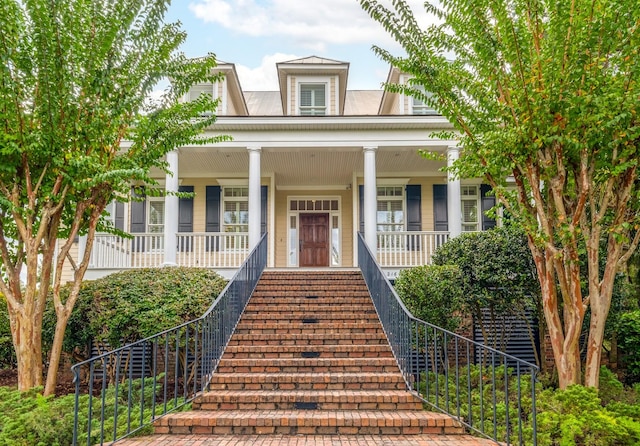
[311, 165]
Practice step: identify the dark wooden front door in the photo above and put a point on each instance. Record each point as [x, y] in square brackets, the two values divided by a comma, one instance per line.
[314, 240]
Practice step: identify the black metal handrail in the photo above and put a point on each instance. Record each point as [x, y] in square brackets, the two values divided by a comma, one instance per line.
[488, 391]
[123, 391]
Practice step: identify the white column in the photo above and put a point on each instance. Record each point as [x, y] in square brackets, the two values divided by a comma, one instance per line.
[254, 196]
[454, 210]
[370, 196]
[171, 210]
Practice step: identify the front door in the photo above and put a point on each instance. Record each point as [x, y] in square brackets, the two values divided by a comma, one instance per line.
[314, 240]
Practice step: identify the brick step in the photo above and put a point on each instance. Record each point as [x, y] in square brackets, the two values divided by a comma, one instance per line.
[340, 338]
[297, 328]
[308, 400]
[310, 365]
[299, 351]
[299, 300]
[309, 286]
[308, 422]
[298, 312]
[307, 381]
[306, 319]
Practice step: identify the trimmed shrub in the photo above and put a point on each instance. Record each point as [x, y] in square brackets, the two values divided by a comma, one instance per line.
[135, 304]
[432, 293]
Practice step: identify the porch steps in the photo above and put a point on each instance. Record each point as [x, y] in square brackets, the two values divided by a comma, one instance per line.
[309, 357]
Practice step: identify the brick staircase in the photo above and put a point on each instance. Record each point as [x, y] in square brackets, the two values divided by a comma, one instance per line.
[308, 357]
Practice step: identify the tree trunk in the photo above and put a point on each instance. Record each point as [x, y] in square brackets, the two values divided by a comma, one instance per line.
[27, 341]
[56, 352]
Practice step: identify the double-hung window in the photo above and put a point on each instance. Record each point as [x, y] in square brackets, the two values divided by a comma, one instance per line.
[313, 99]
[236, 215]
[419, 107]
[390, 209]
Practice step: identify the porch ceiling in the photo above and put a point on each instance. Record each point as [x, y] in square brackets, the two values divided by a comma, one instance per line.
[304, 167]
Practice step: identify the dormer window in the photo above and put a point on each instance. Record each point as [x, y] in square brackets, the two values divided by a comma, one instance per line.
[313, 99]
[199, 89]
[418, 107]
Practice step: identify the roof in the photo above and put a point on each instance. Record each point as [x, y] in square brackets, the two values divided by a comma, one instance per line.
[263, 103]
[362, 102]
[313, 60]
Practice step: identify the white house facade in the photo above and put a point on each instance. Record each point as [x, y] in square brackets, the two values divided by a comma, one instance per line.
[311, 165]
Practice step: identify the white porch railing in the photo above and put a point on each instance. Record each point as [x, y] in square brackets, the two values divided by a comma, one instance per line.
[213, 249]
[206, 250]
[408, 248]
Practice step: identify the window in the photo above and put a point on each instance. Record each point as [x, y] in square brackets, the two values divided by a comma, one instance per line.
[469, 205]
[418, 107]
[199, 89]
[390, 213]
[236, 215]
[313, 99]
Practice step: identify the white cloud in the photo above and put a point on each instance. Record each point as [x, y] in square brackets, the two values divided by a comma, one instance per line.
[265, 76]
[309, 24]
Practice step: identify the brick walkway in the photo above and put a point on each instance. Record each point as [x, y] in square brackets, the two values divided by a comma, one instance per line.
[311, 440]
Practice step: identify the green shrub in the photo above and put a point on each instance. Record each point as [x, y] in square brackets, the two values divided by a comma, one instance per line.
[132, 305]
[7, 354]
[432, 293]
[29, 419]
[628, 329]
[576, 417]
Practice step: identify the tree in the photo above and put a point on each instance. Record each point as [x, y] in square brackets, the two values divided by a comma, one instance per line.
[497, 279]
[544, 94]
[77, 131]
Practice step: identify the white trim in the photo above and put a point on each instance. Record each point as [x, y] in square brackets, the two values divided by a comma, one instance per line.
[336, 95]
[355, 217]
[314, 188]
[225, 97]
[271, 228]
[233, 181]
[392, 181]
[288, 95]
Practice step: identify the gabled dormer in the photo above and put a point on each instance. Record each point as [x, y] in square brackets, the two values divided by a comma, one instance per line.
[228, 90]
[313, 86]
[400, 104]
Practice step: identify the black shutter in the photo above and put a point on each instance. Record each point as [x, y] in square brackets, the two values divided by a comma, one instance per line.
[487, 202]
[185, 218]
[264, 193]
[212, 212]
[440, 214]
[414, 205]
[414, 214]
[119, 217]
[138, 217]
[361, 207]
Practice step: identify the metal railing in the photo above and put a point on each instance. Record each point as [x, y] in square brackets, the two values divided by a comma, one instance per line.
[408, 248]
[489, 392]
[123, 391]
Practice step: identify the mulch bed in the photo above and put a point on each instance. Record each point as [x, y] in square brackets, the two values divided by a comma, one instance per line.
[65, 386]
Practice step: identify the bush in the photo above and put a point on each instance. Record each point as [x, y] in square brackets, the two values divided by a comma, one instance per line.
[576, 417]
[628, 333]
[432, 293]
[30, 419]
[132, 305]
[7, 354]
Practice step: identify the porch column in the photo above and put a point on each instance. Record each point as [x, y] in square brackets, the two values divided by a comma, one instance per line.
[454, 210]
[171, 210]
[254, 196]
[370, 195]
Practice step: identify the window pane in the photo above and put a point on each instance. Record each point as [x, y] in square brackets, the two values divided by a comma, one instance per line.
[156, 212]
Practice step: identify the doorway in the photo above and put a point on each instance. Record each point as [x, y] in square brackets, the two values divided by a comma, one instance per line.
[314, 240]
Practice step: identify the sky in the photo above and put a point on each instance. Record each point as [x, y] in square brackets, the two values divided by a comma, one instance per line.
[255, 34]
